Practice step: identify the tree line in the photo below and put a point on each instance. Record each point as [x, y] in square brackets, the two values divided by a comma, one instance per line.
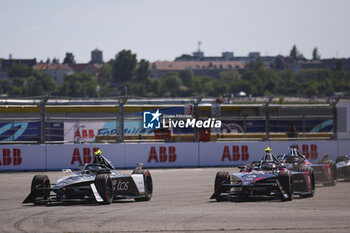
[126, 73]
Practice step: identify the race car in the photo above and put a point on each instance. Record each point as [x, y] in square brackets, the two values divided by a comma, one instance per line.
[96, 182]
[263, 178]
[343, 167]
[325, 171]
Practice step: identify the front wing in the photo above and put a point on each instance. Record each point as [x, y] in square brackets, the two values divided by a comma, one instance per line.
[252, 189]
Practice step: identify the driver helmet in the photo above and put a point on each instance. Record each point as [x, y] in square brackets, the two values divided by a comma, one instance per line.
[268, 155]
[98, 152]
[98, 158]
[268, 166]
[268, 150]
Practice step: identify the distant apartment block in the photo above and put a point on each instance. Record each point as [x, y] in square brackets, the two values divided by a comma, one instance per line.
[274, 62]
[86, 68]
[197, 68]
[268, 61]
[6, 64]
[332, 64]
[57, 71]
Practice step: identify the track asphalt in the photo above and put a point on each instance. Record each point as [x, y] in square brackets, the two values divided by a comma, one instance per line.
[180, 203]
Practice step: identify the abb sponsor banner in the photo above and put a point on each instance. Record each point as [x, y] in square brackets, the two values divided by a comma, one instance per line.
[22, 157]
[59, 156]
[82, 131]
[230, 153]
[313, 150]
[162, 154]
[86, 131]
[238, 153]
[71, 155]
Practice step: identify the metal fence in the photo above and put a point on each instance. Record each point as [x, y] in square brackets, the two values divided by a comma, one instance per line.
[46, 120]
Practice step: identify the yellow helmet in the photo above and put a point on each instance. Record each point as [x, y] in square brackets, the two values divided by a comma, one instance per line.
[98, 152]
[268, 149]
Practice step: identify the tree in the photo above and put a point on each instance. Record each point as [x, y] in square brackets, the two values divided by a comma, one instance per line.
[69, 59]
[295, 54]
[203, 85]
[55, 61]
[142, 71]
[138, 89]
[230, 76]
[154, 87]
[40, 84]
[279, 63]
[20, 71]
[106, 73]
[186, 77]
[227, 81]
[79, 85]
[5, 86]
[124, 66]
[315, 54]
[183, 57]
[171, 84]
[255, 65]
[244, 85]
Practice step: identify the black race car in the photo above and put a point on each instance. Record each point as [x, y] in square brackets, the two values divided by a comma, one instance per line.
[96, 182]
[343, 167]
[263, 178]
[267, 177]
[325, 171]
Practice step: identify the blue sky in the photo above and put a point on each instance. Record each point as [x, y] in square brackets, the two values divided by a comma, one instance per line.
[164, 29]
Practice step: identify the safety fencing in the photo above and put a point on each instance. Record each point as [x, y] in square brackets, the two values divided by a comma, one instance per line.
[158, 155]
[55, 120]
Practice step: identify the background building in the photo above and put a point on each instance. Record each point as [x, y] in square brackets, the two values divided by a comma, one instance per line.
[6, 64]
[197, 68]
[57, 71]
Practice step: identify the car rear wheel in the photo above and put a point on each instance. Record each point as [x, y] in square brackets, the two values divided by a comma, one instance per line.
[286, 181]
[221, 179]
[147, 178]
[40, 196]
[312, 180]
[333, 170]
[104, 187]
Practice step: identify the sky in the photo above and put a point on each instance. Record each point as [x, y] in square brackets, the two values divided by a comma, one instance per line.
[159, 30]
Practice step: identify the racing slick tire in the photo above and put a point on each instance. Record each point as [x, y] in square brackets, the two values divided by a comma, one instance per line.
[286, 181]
[104, 187]
[312, 180]
[220, 179]
[40, 181]
[333, 168]
[147, 178]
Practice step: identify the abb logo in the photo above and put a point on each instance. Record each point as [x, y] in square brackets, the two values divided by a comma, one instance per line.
[310, 152]
[163, 155]
[9, 158]
[85, 133]
[87, 155]
[236, 153]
